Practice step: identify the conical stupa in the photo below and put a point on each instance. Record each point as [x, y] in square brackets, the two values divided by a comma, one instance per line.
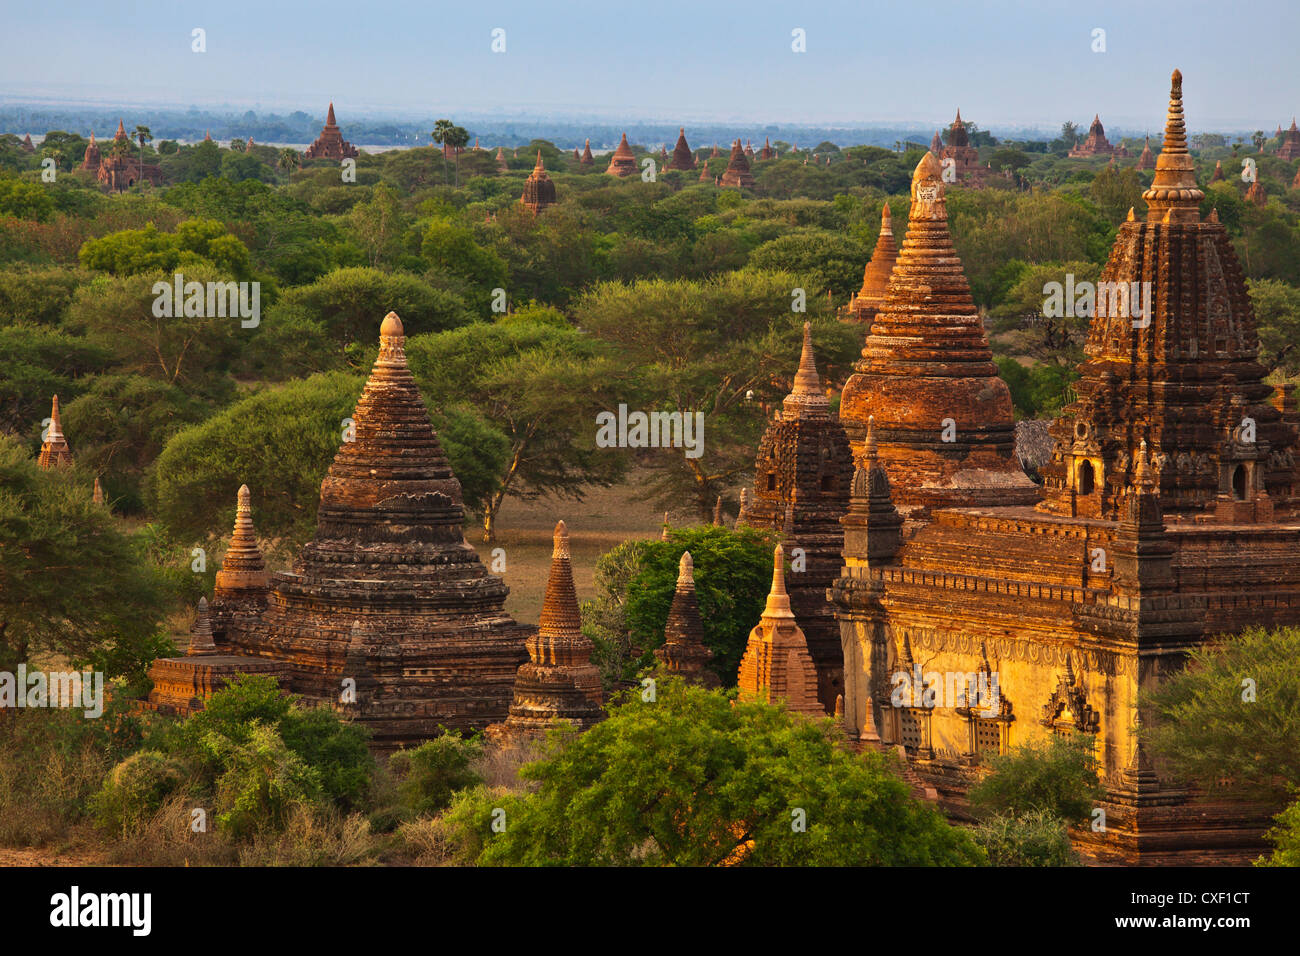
[539, 190]
[875, 277]
[683, 158]
[777, 666]
[54, 446]
[623, 162]
[684, 652]
[943, 417]
[737, 173]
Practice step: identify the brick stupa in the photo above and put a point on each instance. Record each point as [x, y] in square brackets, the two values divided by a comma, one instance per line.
[767, 152]
[1290, 148]
[623, 162]
[965, 157]
[587, 159]
[777, 666]
[943, 417]
[870, 299]
[737, 173]
[122, 168]
[802, 475]
[558, 682]
[1217, 176]
[683, 158]
[539, 190]
[54, 446]
[388, 598]
[1255, 194]
[684, 652]
[330, 144]
[91, 160]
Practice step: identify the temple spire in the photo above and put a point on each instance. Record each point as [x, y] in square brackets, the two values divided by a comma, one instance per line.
[54, 447]
[684, 651]
[201, 633]
[778, 601]
[807, 396]
[97, 497]
[1173, 190]
[329, 118]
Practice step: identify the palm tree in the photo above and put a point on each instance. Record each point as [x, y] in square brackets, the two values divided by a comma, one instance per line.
[441, 130]
[288, 159]
[457, 139]
[144, 135]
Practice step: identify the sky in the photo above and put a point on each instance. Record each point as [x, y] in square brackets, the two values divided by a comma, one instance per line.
[1004, 63]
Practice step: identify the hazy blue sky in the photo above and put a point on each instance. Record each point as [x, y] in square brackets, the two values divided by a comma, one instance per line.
[1003, 63]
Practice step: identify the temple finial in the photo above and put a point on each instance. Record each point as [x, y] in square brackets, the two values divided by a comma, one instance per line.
[686, 572]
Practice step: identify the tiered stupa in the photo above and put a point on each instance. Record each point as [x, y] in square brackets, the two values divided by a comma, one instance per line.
[587, 159]
[749, 151]
[683, 158]
[1217, 176]
[330, 144]
[870, 299]
[243, 583]
[1146, 160]
[737, 173]
[503, 164]
[623, 162]
[1096, 143]
[1170, 520]
[1290, 148]
[27, 145]
[539, 190]
[943, 417]
[54, 447]
[559, 682]
[388, 603]
[801, 491]
[776, 665]
[684, 652]
[767, 152]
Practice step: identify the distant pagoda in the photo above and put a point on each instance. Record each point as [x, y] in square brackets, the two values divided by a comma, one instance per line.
[54, 447]
[1146, 160]
[1218, 176]
[767, 152]
[1290, 148]
[683, 158]
[587, 159]
[738, 173]
[539, 190]
[776, 666]
[330, 144]
[1096, 143]
[623, 162]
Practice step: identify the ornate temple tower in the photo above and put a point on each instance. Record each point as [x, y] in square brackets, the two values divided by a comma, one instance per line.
[54, 447]
[1217, 176]
[767, 152]
[558, 682]
[1255, 194]
[943, 417]
[737, 173]
[683, 158]
[330, 144]
[870, 299]
[388, 594]
[1171, 359]
[801, 490]
[684, 652]
[776, 665]
[539, 190]
[243, 583]
[1096, 143]
[965, 157]
[623, 162]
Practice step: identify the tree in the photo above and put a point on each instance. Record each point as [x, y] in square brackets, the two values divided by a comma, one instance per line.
[726, 347]
[40, 362]
[542, 386]
[1070, 133]
[350, 302]
[1277, 315]
[1231, 715]
[24, 200]
[377, 224]
[635, 583]
[441, 131]
[143, 135]
[692, 778]
[825, 260]
[72, 583]
[288, 159]
[457, 138]
[1057, 776]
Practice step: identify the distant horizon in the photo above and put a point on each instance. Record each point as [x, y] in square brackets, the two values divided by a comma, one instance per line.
[1007, 64]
